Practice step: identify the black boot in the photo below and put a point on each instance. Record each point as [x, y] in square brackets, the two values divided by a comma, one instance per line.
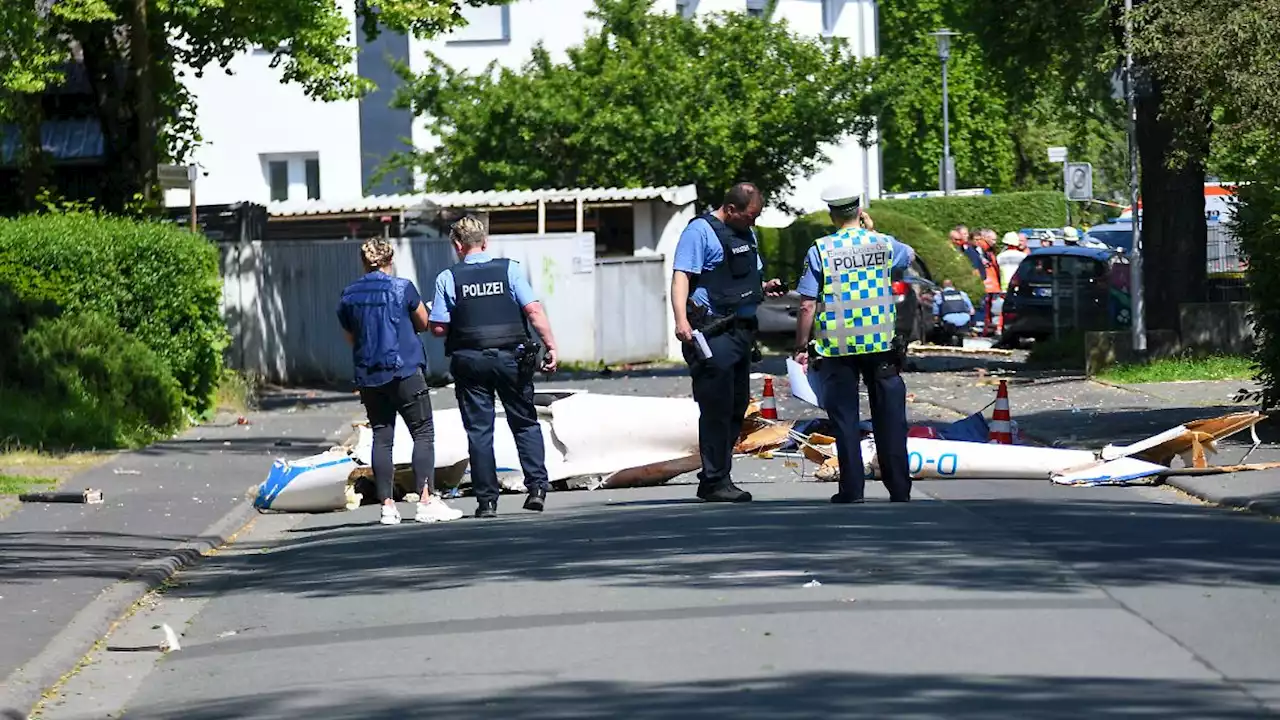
[723, 493]
[537, 500]
[487, 509]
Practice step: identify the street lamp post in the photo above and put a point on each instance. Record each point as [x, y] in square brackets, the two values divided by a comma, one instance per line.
[943, 37]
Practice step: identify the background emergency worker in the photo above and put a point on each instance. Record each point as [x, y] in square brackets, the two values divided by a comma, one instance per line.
[1015, 251]
[848, 284]
[716, 288]
[954, 311]
[483, 308]
[381, 316]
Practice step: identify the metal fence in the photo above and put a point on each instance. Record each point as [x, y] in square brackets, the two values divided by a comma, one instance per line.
[631, 309]
[280, 298]
[1225, 266]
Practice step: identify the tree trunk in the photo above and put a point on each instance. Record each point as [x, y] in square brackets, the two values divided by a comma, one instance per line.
[141, 71]
[33, 162]
[103, 61]
[1174, 232]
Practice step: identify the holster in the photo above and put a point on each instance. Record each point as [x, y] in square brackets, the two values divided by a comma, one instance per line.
[528, 359]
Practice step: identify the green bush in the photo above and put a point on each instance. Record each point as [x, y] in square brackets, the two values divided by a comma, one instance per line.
[1257, 224]
[79, 380]
[160, 283]
[1002, 212]
[784, 248]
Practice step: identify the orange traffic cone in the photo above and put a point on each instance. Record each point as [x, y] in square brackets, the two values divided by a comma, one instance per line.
[1001, 426]
[768, 406]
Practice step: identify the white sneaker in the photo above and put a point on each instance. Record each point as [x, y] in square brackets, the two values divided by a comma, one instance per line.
[390, 515]
[436, 510]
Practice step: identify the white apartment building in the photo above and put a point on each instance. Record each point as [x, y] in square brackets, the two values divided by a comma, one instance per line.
[266, 142]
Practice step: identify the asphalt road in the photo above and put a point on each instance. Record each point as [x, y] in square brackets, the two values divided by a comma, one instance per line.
[980, 600]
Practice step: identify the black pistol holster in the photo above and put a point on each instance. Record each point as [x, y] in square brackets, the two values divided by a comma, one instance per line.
[529, 356]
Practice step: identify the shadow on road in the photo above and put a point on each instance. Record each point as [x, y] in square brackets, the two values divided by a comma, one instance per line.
[805, 695]
[995, 545]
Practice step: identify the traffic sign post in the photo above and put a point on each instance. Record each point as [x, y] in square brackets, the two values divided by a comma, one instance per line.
[1059, 155]
[1079, 181]
[180, 177]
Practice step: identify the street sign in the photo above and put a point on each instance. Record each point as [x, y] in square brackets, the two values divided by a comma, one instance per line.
[1057, 154]
[177, 177]
[1079, 181]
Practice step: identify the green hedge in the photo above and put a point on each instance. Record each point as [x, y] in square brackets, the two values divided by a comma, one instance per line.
[784, 248]
[1002, 212]
[1257, 224]
[159, 283]
[79, 381]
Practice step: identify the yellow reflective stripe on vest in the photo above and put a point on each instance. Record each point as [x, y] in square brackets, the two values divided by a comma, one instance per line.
[856, 314]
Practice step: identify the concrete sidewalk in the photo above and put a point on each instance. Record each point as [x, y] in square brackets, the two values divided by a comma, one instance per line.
[70, 571]
[1076, 412]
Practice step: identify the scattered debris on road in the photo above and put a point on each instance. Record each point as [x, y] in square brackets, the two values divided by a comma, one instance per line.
[89, 496]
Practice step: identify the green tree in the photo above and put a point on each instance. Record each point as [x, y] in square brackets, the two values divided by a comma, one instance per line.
[1068, 48]
[999, 139]
[136, 53]
[650, 98]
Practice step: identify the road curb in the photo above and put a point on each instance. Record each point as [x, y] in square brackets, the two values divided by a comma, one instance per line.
[1269, 507]
[25, 686]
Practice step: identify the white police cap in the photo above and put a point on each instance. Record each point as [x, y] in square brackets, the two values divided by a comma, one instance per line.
[842, 196]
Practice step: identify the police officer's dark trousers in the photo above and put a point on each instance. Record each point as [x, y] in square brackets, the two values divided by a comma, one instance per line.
[888, 399]
[722, 389]
[410, 398]
[478, 375]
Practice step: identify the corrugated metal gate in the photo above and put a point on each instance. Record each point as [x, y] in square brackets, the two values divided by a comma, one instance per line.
[631, 309]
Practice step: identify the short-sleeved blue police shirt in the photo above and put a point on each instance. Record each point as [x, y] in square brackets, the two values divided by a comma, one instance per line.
[698, 252]
[810, 285]
[442, 305]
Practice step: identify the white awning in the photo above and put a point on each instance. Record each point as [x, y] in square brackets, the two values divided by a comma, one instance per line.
[481, 200]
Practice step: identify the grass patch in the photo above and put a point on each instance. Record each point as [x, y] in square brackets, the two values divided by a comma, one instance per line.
[1212, 367]
[237, 392]
[18, 484]
[23, 459]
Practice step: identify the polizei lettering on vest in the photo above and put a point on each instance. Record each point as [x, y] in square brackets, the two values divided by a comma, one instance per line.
[483, 289]
[859, 256]
[741, 249]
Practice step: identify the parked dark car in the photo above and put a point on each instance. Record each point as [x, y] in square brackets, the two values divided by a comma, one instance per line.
[910, 286]
[1091, 286]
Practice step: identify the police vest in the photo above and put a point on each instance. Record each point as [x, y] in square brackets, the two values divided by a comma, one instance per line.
[736, 281]
[953, 302]
[856, 313]
[485, 315]
[376, 303]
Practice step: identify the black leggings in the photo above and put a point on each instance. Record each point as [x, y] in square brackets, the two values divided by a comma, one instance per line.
[410, 398]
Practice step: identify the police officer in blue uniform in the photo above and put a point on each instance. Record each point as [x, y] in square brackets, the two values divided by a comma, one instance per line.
[954, 311]
[847, 287]
[715, 290]
[381, 316]
[483, 308]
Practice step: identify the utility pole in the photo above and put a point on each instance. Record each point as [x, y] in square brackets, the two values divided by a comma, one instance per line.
[1137, 303]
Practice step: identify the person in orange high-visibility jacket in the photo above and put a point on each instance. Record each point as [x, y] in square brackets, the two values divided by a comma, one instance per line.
[990, 277]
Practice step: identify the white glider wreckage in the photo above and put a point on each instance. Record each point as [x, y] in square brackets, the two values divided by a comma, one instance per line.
[617, 441]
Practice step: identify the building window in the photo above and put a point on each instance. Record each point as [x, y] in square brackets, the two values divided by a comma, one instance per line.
[313, 178]
[686, 8]
[757, 8]
[831, 15]
[278, 177]
[486, 24]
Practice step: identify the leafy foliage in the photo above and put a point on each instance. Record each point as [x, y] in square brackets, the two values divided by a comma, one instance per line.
[81, 381]
[784, 248]
[650, 98]
[1001, 212]
[314, 44]
[1001, 124]
[158, 283]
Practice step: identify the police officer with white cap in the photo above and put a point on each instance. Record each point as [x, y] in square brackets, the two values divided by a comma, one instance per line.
[847, 286]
